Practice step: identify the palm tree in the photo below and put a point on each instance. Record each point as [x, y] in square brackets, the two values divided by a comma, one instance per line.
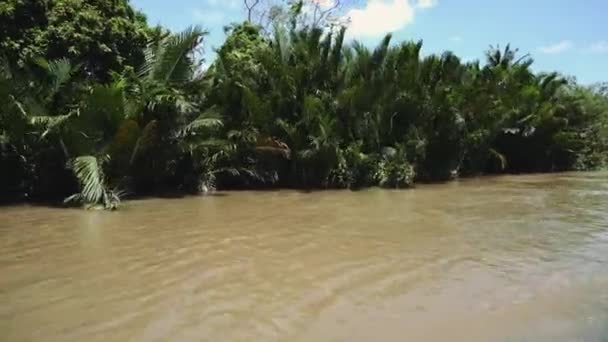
[35, 105]
[133, 123]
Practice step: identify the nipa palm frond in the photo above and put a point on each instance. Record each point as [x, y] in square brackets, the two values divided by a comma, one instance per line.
[60, 72]
[209, 119]
[171, 62]
[88, 171]
[145, 140]
[50, 123]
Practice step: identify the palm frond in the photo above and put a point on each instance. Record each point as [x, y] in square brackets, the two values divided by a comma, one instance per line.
[170, 61]
[499, 157]
[307, 154]
[103, 110]
[89, 173]
[50, 123]
[150, 54]
[209, 119]
[209, 143]
[145, 140]
[60, 72]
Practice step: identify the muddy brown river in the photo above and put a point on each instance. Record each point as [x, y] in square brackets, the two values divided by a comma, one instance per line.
[511, 258]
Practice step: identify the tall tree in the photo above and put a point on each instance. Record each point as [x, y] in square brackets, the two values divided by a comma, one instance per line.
[310, 13]
[101, 35]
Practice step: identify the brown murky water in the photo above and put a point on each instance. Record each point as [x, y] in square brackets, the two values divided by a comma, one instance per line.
[516, 258]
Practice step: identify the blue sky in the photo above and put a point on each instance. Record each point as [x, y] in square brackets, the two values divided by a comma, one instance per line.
[569, 36]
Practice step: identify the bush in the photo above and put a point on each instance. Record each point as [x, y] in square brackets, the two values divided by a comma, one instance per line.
[394, 170]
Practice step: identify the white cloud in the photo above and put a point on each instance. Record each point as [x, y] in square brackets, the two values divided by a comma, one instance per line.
[426, 3]
[309, 7]
[599, 47]
[456, 39]
[558, 47]
[325, 3]
[379, 17]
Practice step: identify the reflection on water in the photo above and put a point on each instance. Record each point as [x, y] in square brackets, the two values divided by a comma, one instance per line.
[493, 259]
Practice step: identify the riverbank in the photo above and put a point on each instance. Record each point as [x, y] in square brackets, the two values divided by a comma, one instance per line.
[172, 195]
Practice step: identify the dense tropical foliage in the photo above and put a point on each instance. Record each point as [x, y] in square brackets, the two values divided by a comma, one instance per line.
[101, 35]
[89, 113]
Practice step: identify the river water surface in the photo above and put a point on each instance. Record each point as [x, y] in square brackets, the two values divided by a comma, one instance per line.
[513, 258]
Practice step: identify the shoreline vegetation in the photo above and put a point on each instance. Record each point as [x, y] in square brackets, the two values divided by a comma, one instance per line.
[96, 105]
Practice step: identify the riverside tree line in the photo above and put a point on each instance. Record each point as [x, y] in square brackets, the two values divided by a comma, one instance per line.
[95, 104]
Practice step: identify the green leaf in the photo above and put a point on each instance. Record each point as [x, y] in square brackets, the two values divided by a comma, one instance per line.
[208, 119]
[50, 123]
[88, 171]
[145, 140]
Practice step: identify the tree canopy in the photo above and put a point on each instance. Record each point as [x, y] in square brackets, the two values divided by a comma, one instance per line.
[101, 35]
